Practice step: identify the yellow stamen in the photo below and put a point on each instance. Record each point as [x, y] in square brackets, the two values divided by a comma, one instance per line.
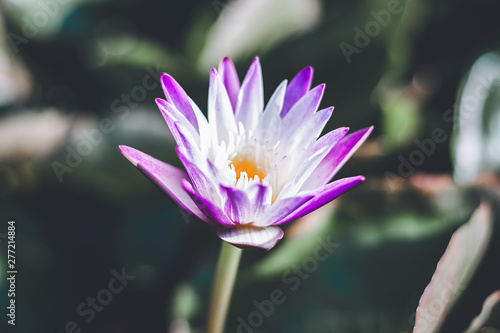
[244, 164]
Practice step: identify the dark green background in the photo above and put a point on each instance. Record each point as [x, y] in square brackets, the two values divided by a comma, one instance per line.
[105, 215]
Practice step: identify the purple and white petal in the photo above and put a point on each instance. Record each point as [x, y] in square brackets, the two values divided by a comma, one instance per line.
[296, 148]
[251, 237]
[251, 97]
[202, 180]
[203, 127]
[177, 96]
[169, 118]
[304, 137]
[326, 140]
[167, 177]
[304, 108]
[317, 153]
[282, 208]
[220, 112]
[190, 147]
[237, 205]
[323, 195]
[178, 124]
[298, 87]
[268, 130]
[229, 76]
[206, 206]
[260, 196]
[337, 157]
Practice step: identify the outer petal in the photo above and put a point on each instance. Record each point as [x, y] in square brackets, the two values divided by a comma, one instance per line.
[251, 237]
[201, 179]
[305, 136]
[296, 148]
[260, 198]
[169, 118]
[203, 127]
[237, 205]
[167, 177]
[246, 206]
[301, 110]
[316, 154]
[337, 157]
[206, 206]
[298, 87]
[178, 97]
[323, 196]
[173, 118]
[230, 79]
[188, 143]
[251, 97]
[282, 208]
[326, 140]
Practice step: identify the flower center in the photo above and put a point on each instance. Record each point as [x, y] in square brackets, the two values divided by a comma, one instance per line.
[244, 164]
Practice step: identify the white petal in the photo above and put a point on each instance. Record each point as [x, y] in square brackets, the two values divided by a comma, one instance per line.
[247, 237]
[268, 130]
[220, 111]
[251, 97]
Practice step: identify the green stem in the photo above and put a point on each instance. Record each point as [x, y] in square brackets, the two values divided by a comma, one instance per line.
[227, 268]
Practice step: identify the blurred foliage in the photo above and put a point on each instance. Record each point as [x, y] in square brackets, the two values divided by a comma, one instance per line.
[475, 145]
[75, 71]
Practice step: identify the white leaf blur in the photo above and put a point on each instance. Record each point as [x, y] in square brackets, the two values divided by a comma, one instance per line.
[248, 27]
[491, 309]
[454, 271]
[476, 136]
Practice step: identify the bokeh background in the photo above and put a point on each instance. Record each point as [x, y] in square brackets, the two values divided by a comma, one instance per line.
[79, 77]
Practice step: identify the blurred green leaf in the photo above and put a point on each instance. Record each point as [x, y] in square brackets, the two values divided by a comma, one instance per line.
[186, 302]
[401, 119]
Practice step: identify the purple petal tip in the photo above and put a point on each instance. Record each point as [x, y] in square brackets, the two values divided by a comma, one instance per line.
[255, 64]
[186, 185]
[161, 101]
[129, 153]
[213, 75]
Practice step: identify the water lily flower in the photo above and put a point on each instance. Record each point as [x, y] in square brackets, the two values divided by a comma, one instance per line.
[250, 168]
